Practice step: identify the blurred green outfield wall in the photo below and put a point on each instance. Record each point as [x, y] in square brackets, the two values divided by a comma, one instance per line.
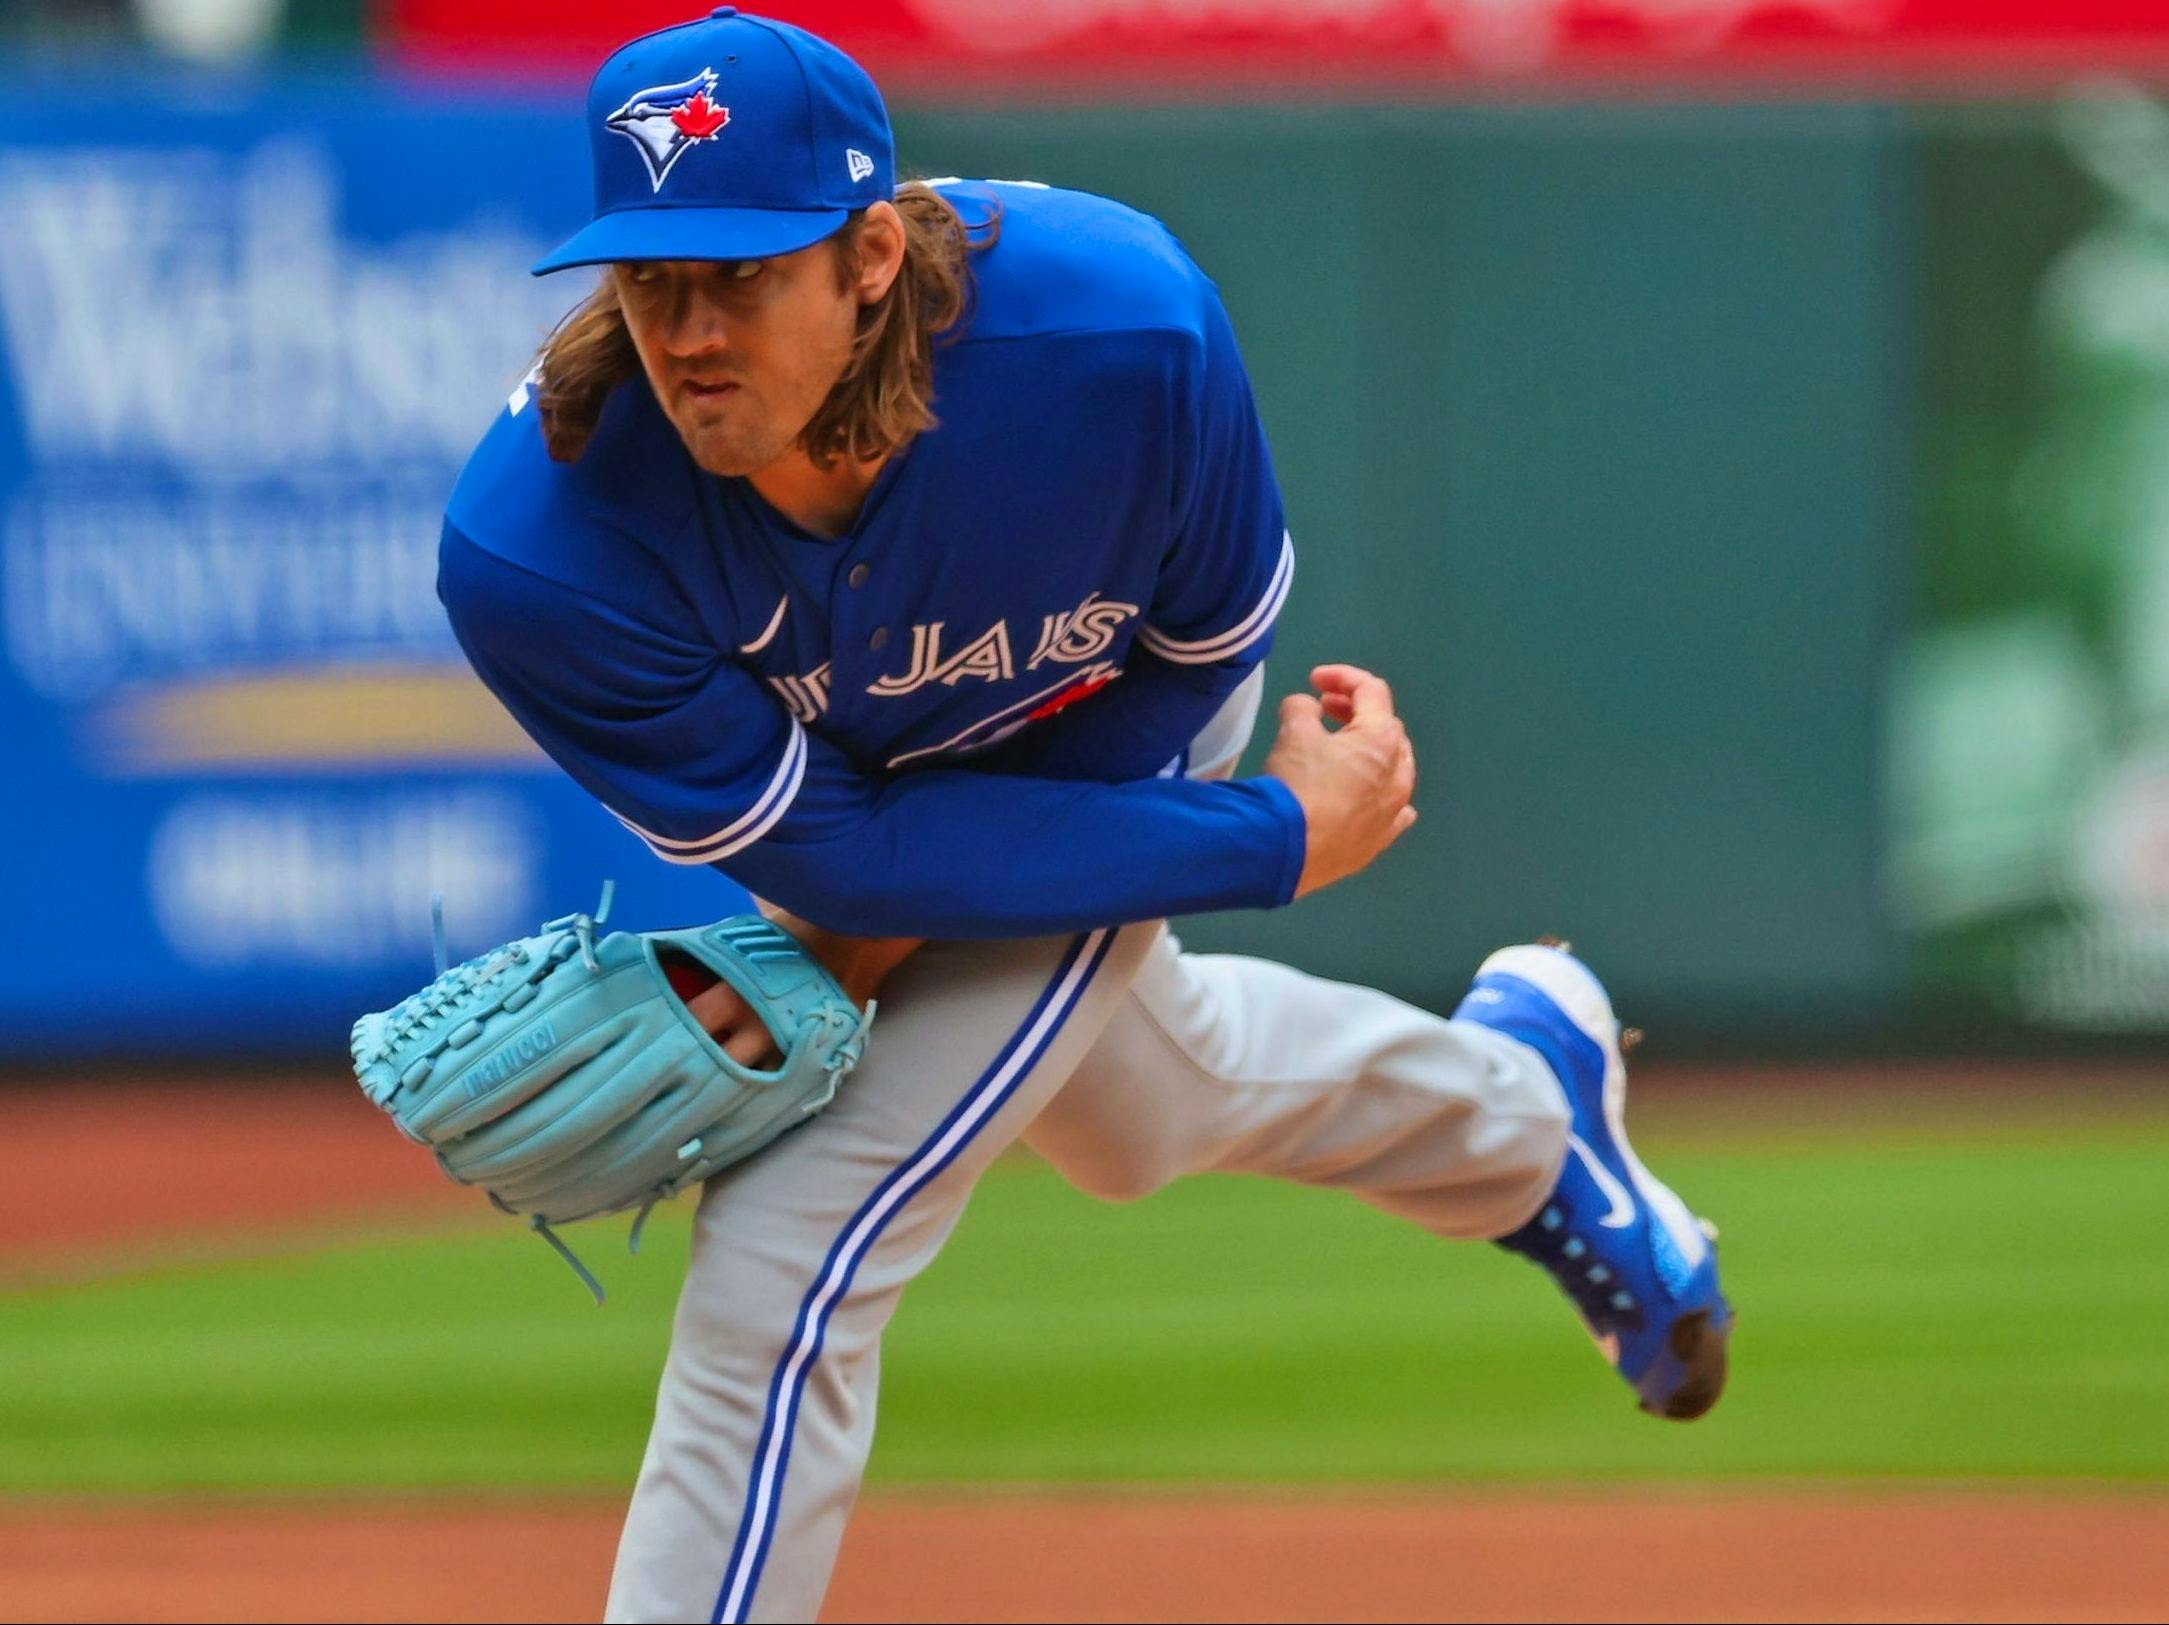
[1592, 424]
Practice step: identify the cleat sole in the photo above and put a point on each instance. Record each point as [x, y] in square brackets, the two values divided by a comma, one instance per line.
[1700, 1349]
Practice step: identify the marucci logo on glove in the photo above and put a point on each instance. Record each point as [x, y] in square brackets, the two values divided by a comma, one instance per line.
[516, 1056]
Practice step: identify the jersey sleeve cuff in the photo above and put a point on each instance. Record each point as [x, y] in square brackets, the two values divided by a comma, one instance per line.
[1240, 636]
[774, 801]
[1295, 829]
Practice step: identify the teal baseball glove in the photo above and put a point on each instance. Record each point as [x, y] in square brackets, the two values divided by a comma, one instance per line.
[564, 1076]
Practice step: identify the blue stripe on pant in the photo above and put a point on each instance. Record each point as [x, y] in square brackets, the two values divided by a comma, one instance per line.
[980, 1103]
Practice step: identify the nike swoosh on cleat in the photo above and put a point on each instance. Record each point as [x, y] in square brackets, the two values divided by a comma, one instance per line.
[1622, 1213]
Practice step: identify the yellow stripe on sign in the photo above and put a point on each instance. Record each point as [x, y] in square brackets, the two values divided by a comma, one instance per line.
[321, 719]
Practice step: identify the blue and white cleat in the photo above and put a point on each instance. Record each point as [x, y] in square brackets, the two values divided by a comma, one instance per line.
[1636, 1263]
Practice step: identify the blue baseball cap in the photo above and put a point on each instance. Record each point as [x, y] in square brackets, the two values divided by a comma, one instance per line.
[730, 138]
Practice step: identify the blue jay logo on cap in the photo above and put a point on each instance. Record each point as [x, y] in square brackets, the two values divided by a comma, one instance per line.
[665, 120]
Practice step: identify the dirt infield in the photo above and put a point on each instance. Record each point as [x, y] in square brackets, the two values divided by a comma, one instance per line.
[1649, 1555]
[136, 1167]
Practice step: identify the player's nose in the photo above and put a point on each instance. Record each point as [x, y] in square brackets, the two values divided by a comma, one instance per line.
[697, 327]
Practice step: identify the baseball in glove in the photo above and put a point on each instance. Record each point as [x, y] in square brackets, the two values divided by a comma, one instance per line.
[564, 1075]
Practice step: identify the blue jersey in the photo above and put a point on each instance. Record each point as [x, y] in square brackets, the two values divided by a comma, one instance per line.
[960, 717]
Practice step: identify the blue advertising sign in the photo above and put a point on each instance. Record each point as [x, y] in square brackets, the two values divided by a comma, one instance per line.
[245, 345]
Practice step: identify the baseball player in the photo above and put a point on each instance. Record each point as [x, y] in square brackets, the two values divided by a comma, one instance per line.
[910, 554]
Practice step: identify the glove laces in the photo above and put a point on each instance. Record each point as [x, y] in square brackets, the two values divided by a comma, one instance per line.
[584, 926]
[454, 986]
[451, 988]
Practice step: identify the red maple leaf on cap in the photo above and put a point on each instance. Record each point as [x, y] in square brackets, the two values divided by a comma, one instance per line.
[700, 118]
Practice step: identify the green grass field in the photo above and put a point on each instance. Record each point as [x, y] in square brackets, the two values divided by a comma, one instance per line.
[1936, 1300]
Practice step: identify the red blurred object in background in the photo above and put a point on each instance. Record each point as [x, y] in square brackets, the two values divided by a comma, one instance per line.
[1136, 44]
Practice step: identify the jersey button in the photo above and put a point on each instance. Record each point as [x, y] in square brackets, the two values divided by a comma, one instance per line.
[860, 574]
[880, 638]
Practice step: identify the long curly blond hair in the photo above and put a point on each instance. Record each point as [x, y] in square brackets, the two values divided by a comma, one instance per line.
[886, 394]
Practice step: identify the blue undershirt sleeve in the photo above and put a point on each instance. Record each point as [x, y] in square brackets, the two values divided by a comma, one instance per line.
[950, 852]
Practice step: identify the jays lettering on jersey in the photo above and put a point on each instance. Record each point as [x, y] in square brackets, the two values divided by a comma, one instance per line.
[949, 720]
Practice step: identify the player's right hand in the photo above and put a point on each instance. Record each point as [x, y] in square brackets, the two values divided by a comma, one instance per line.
[859, 964]
[1353, 781]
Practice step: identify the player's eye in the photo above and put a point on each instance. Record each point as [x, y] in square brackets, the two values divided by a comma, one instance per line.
[641, 273]
[746, 270]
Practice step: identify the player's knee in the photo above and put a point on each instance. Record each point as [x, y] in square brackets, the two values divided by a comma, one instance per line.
[737, 1311]
[725, 1332]
[1129, 1180]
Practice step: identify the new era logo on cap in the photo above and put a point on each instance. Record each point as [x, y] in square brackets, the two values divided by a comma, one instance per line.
[861, 165]
[664, 120]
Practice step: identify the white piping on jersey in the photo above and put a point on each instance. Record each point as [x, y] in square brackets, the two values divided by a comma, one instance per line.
[1204, 651]
[757, 821]
[767, 637]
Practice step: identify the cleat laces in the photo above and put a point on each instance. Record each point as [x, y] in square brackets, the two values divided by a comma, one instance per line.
[1548, 1243]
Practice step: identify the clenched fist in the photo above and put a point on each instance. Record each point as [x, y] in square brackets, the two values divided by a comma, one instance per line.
[1354, 780]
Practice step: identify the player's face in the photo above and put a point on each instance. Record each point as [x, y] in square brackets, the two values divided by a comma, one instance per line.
[741, 354]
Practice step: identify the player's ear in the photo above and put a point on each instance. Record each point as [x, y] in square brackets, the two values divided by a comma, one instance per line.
[879, 245]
